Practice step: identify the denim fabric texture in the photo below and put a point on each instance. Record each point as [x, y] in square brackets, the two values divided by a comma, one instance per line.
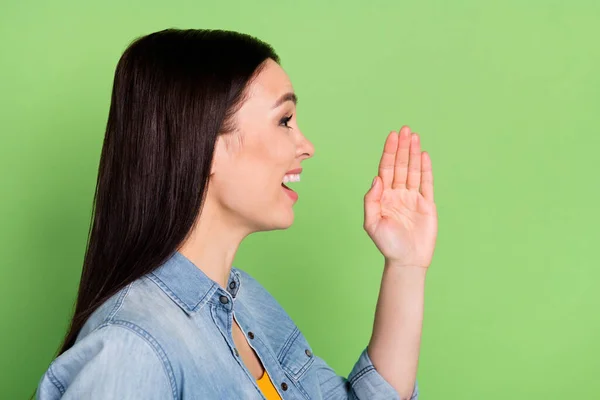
[168, 335]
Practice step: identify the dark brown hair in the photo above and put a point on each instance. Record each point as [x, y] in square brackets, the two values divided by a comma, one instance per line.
[174, 92]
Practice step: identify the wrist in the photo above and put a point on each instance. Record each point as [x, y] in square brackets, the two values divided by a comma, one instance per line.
[398, 264]
[404, 274]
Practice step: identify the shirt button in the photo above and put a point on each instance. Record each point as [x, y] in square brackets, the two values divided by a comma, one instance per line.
[236, 352]
[224, 299]
[232, 285]
[308, 352]
[251, 335]
[284, 385]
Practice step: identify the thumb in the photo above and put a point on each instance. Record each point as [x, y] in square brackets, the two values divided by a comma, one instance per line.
[373, 204]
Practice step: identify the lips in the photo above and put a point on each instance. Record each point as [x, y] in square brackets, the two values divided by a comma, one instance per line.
[290, 193]
[294, 171]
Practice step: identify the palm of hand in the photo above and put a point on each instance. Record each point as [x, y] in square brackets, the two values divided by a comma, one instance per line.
[401, 219]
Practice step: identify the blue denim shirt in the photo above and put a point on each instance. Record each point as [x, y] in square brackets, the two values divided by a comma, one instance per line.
[168, 335]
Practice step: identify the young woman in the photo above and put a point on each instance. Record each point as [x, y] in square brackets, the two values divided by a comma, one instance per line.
[200, 141]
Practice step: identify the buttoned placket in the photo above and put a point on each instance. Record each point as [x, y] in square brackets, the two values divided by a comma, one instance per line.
[228, 302]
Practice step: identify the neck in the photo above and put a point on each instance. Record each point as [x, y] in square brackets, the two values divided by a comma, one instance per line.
[213, 243]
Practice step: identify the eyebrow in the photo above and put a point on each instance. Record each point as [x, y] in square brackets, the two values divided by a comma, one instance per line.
[286, 97]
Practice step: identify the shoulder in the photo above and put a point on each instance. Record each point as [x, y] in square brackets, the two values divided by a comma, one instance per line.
[270, 315]
[251, 284]
[140, 307]
[141, 313]
[137, 363]
[255, 293]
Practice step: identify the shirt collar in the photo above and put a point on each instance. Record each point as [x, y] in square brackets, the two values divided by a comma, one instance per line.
[188, 286]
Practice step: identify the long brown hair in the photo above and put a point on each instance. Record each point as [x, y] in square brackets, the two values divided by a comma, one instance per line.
[174, 93]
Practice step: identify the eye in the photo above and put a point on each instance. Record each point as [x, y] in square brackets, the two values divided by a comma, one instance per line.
[285, 120]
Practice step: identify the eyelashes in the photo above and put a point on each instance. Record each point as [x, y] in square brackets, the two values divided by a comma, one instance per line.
[283, 121]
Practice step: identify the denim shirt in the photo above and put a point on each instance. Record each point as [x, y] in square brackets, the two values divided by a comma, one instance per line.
[168, 335]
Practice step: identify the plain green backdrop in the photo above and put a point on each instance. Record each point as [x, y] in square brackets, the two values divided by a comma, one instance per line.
[505, 96]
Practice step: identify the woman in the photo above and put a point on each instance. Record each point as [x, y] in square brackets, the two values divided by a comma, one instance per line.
[200, 141]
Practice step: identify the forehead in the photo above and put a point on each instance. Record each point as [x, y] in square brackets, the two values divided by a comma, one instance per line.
[269, 84]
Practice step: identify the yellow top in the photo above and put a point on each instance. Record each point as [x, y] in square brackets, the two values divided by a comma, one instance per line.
[266, 386]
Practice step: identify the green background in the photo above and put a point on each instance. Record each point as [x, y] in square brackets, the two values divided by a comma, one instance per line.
[505, 96]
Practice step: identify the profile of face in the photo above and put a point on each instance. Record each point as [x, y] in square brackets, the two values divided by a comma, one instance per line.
[245, 186]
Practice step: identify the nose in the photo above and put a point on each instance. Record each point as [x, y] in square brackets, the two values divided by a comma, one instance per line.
[306, 149]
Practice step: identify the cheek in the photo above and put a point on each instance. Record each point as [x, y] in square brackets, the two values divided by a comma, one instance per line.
[275, 157]
[253, 184]
[283, 153]
[258, 174]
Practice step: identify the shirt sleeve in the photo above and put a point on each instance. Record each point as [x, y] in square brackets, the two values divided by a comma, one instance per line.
[363, 383]
[114, 362]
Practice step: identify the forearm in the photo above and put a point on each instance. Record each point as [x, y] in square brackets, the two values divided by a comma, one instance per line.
[396, 339]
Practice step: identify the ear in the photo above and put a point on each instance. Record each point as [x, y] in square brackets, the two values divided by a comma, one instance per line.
[218, 154]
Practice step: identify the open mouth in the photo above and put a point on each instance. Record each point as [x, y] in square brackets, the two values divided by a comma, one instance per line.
[289, 192]
[286, 187]
[290, 178]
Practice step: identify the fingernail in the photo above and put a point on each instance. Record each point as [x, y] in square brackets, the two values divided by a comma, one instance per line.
[374, 180]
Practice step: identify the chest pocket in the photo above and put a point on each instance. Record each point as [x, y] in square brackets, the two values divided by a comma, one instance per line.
[296, 356]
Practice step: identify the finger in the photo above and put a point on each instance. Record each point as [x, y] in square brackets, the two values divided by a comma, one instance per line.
[401, 167]
[426, 177]
[373, 204]
[386, 164]
[414, 163]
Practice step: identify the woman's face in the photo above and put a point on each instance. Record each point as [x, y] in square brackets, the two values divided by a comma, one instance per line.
[250, 165]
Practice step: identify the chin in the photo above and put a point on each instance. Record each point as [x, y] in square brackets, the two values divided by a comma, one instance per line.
[289, 223]
[285, 220]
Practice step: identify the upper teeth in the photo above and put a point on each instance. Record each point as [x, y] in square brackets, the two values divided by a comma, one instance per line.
[291, 178]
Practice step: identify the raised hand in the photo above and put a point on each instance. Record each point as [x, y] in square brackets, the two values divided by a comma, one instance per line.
[400, 218]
